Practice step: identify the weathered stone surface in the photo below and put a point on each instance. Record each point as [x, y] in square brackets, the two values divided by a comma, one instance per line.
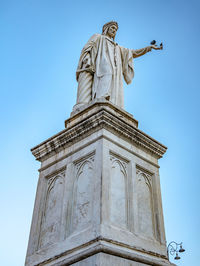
[98, 200]
[103, 259]
[102, 66]
[101, 114]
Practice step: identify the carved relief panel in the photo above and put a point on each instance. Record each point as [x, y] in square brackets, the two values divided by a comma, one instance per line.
[118, 192]
[52, 214]
[145, 206]
[81, 206]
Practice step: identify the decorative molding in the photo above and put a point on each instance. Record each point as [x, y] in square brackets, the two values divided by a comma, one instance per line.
[79, 210]
[81, 160]
[119, 202]
[107, 246]
[146, 175]
[58, 174]
[60, 171]
[122, 164]
[125, 191]
[49, 206]
[140, 169]
[145, 203]
[90, 107]
[86, 126]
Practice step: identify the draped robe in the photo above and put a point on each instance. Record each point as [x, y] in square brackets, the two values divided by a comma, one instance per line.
[102, 66]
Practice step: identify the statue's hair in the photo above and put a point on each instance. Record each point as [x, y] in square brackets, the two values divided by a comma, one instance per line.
[107, 25]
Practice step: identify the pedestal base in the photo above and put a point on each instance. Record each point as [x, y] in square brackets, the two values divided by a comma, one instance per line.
[103, 259]
[98, 200]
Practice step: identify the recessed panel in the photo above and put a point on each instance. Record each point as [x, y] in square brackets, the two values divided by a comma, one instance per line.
[51, 220]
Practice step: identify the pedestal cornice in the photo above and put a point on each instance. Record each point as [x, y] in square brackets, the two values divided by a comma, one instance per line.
[98, 115]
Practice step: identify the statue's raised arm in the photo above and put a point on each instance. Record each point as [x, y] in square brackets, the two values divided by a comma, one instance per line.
[102, 66]
[142, 51]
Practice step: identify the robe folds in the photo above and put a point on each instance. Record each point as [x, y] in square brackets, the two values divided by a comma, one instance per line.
[107, 63]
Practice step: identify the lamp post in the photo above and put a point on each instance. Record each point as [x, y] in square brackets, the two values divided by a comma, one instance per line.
[173, 248]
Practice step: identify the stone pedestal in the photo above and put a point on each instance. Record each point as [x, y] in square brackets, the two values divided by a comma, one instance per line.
[98, 199]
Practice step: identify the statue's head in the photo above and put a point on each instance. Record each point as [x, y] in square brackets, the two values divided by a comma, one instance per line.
[110, 29]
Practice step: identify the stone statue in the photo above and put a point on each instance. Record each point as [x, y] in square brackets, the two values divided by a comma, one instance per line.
[102, 65]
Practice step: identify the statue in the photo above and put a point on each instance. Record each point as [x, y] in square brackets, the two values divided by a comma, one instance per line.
[102, 66]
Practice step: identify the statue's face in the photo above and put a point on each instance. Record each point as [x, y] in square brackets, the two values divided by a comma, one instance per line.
[112, 31]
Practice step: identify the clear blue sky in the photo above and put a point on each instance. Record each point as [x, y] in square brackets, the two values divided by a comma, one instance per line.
[40, 47]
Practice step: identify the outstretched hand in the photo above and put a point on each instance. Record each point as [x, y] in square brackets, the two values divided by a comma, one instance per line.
[155, 47]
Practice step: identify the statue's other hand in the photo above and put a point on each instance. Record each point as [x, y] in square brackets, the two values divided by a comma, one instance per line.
[155, 47]
[86, 61]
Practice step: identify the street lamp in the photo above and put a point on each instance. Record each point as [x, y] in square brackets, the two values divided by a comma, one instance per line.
[173, 248]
